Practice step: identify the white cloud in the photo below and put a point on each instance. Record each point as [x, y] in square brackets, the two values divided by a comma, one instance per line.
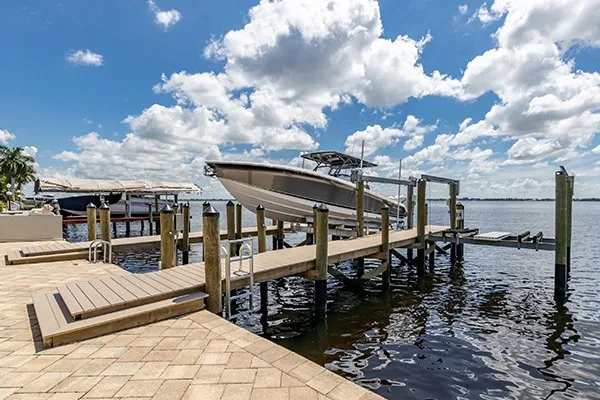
[30, 151]
[164, 18]
[84, 57]
[375, 137]
[463, 9]
[6, 136]
[485, 16]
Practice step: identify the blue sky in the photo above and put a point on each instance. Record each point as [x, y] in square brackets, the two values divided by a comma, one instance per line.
[282, 87]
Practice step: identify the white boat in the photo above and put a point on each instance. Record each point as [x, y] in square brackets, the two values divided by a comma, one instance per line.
[289, 193]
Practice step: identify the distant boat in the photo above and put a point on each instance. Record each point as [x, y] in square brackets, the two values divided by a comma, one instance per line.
[289, 193]
[77, 205]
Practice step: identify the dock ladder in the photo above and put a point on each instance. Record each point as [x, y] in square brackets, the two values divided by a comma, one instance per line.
[106, 251]
[245, 257]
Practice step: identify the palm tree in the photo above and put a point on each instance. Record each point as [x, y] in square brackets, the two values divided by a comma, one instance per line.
[16, 166]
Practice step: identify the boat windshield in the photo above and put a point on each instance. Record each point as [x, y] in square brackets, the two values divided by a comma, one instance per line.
[336, 162]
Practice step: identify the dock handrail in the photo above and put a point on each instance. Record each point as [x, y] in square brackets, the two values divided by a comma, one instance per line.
[106, 249]
[245, 252]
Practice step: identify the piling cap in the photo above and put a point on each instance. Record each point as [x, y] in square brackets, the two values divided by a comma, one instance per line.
[185, 205]
[166, 209]
[385, 207]
[322, 208]
[91, 205]
[229, 204]
[260, 208]
[104, 206]
[210, 211]
[316, 206]
[206, 203]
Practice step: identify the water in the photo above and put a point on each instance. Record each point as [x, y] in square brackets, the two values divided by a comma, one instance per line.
[490, 329]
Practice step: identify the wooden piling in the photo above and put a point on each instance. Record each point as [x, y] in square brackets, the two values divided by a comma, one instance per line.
[230, 215]
[570, 192]
[156, 211]
[91, 221]
[238, 221]
[262, 247]
[385, 244]
[310, 237]
[321, 261]
[280, 235]
[205, 207]
[453, 193]
[360, 208]
[460, 224]
[167, 237]
[150, 219]
[185, 240]
[212, 260]
[105, 222]
[421, 222]
[561, 233]
[410, 212]
[114, 228]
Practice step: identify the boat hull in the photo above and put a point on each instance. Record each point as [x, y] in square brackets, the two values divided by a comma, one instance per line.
[289, 194]
[77, 205]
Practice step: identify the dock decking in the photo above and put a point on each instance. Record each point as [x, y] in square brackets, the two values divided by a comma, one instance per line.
[65, 251]
[89, 308]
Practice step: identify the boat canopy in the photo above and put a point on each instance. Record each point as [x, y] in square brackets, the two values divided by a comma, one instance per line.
[69, 185]
[336, 161]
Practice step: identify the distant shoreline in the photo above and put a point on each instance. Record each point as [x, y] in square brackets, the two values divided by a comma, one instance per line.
[459, 199]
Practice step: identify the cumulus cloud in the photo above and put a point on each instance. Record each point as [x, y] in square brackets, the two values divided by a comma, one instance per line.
[6, 136]
[375, 137]
[84, 57]
[463, 9]
[164, 18]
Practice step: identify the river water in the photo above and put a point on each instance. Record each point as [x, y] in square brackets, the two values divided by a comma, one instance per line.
[488, 329]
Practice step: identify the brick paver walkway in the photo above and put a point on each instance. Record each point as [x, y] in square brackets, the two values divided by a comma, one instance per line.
[198, 356]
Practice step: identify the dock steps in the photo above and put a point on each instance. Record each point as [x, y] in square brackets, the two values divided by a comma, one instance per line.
[58, 327]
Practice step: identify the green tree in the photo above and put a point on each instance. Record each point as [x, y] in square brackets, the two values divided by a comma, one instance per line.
[16, 164]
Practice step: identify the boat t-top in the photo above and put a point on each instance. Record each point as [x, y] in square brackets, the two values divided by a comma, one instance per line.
[289, 193]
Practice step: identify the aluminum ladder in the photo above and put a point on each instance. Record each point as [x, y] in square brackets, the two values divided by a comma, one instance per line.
[245, 253]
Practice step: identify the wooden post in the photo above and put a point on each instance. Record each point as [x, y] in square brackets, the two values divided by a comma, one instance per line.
[230, 215]
[212, 260]
[175, 211]
[262, 247]
[310, 237]
[185, 241]
[321, 262]
[360, 207]
[561, 234]
[167, 238]
[142, 227]
[410, 214]
[452, 206]
[150, 219]
[205, 206]
[91, 221]
[114, 228]
[385, 243]
[105, 222]
[570, 192]
[280, 235]
[156, 211]
[421, 222]
[460, 224]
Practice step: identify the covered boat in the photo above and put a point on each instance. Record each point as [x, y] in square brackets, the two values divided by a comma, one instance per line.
[125, 197]
[289, 193]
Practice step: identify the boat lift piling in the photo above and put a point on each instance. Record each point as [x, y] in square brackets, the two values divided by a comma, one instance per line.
[105, 222]
[167, 238]
[185, 240]
[91, 222]
[262, 247]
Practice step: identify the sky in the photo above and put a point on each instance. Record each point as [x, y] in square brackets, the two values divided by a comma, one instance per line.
[495, 94]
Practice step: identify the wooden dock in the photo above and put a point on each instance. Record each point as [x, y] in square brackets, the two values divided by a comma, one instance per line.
[65, 251]
[81, 310]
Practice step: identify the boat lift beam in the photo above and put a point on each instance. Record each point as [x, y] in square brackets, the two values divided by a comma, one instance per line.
[439, 179]
[357, 176]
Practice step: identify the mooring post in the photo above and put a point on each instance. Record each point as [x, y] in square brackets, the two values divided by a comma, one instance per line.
[185, 240]
[360, 216]
[167, 238]
[91, 221]
[230, 215]
[385, 244]
[105, 222]
[460, 224]
[561, 234]
[238, 224]
[114, 228]
[150, 219]
[212, 259]
[262, 247]
[156, 212]
[452, 206]
[570, 192]
[280, 235]
[175, 212]
[410, 213]
[421, 222]
[310, 237]
[321, 261]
